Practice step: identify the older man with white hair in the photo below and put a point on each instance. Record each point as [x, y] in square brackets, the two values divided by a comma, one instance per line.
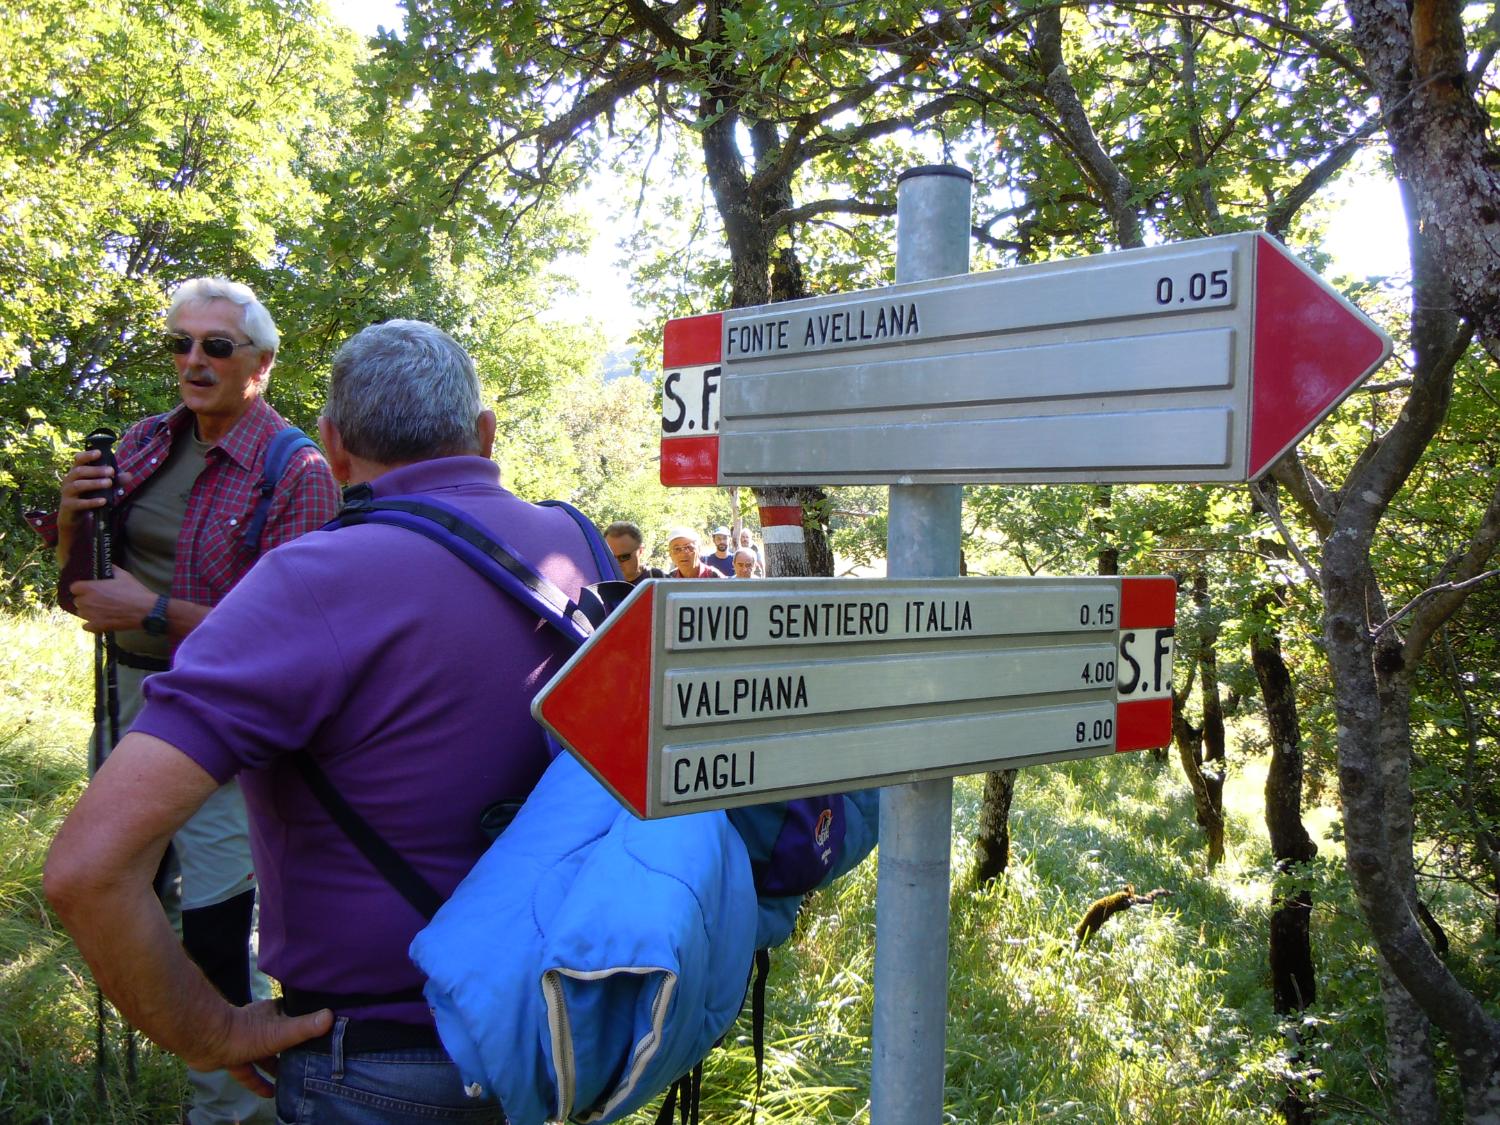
[186, 488]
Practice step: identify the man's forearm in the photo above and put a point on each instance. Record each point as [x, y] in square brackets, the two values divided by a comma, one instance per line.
[98, 878]
[140, 966]
[183, 617]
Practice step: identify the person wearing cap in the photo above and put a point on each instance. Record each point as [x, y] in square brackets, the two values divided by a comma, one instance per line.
[682, 549]
[722, 559]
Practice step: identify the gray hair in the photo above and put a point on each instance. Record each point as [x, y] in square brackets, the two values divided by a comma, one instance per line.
[254, 317]
[404, 391]
[625, 529]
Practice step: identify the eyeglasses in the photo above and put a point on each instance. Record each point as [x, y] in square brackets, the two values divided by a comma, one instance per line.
[215, 347]
[682, 548]
[627, 556]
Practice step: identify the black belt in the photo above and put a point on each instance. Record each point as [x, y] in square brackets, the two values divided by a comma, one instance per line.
[142, 663]
[301, 1001]
[364, 1036]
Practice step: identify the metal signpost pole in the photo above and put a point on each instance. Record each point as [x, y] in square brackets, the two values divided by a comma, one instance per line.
[911, 904]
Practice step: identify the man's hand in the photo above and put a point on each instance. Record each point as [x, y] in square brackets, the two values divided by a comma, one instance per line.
[81, 487]
[253, 1036]
[108, 605]
[82, 491]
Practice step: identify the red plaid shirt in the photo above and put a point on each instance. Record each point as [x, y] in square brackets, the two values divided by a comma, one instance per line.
[211, 554]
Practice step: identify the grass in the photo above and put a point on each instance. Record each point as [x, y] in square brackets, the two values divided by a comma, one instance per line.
[47, 1014]
[1164, 1017]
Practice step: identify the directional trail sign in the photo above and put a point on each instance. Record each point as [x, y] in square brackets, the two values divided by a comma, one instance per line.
[1197, 361]
[711, 694]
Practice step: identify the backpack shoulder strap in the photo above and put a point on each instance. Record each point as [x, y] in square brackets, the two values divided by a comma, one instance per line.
[284, 443]
[482, 550]
[604, 558]
[493, 560]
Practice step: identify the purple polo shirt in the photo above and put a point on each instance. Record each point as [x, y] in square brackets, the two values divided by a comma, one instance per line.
[409, 677]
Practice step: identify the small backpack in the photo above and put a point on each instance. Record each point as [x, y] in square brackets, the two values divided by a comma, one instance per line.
[793, 847]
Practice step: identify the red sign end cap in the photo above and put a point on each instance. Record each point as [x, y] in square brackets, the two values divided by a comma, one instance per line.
[1146, 603]
[690, 461]
[1311, 349]
[1143, 724]
[602, 706]
[692, 341]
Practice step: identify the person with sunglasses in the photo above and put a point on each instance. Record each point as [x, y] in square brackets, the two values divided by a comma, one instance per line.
[378, 661]
[186, 485]
[625, 541]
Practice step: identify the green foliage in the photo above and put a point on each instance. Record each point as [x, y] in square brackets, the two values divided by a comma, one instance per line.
[1163, 1017]
[594, 444]
[140, 147]
[46, 1000]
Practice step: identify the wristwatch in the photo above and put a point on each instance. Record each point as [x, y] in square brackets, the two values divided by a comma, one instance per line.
[156, 621]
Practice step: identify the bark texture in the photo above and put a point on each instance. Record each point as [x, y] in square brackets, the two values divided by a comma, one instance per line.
[992, 839]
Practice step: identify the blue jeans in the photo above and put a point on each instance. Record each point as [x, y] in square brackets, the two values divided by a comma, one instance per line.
[387, 1087]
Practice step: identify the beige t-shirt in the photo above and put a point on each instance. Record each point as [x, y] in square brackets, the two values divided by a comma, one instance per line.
[154, 524]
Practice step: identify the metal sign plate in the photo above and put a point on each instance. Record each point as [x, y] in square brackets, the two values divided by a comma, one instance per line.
[1197, 361]
[704, 694]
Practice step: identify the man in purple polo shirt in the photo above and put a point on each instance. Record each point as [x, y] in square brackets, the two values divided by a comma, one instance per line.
[409, 679]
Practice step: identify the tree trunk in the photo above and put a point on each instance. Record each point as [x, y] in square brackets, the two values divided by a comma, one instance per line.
[1214, 765]
[794, 528]
[1207, 784]
[1293, 986]
[1408, 1055]
[1370, 660]
[1189, 742]
[1109, 554]
[1293, 981]
[992, 842]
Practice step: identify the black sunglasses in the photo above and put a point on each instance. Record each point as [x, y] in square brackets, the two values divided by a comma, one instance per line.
[215, 347]
[627, 556]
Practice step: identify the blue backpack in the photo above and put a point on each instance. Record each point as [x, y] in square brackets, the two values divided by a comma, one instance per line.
[624, 1044]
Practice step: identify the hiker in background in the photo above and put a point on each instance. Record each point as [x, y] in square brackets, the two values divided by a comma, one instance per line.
[744, 563]
[748, 544]
[186, 489]
[626, 544]
[408, 682]
[682, 549]
[720, 557]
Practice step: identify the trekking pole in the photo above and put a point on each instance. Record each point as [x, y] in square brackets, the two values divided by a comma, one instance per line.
[106, 714]
[106, 662]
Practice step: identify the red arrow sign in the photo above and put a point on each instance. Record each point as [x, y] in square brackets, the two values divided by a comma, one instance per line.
[707, 694]
[1200, 361]
[1311, 349]
[600, 703]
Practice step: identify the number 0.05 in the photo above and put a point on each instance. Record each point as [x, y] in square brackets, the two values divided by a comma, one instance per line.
[1214, 286]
